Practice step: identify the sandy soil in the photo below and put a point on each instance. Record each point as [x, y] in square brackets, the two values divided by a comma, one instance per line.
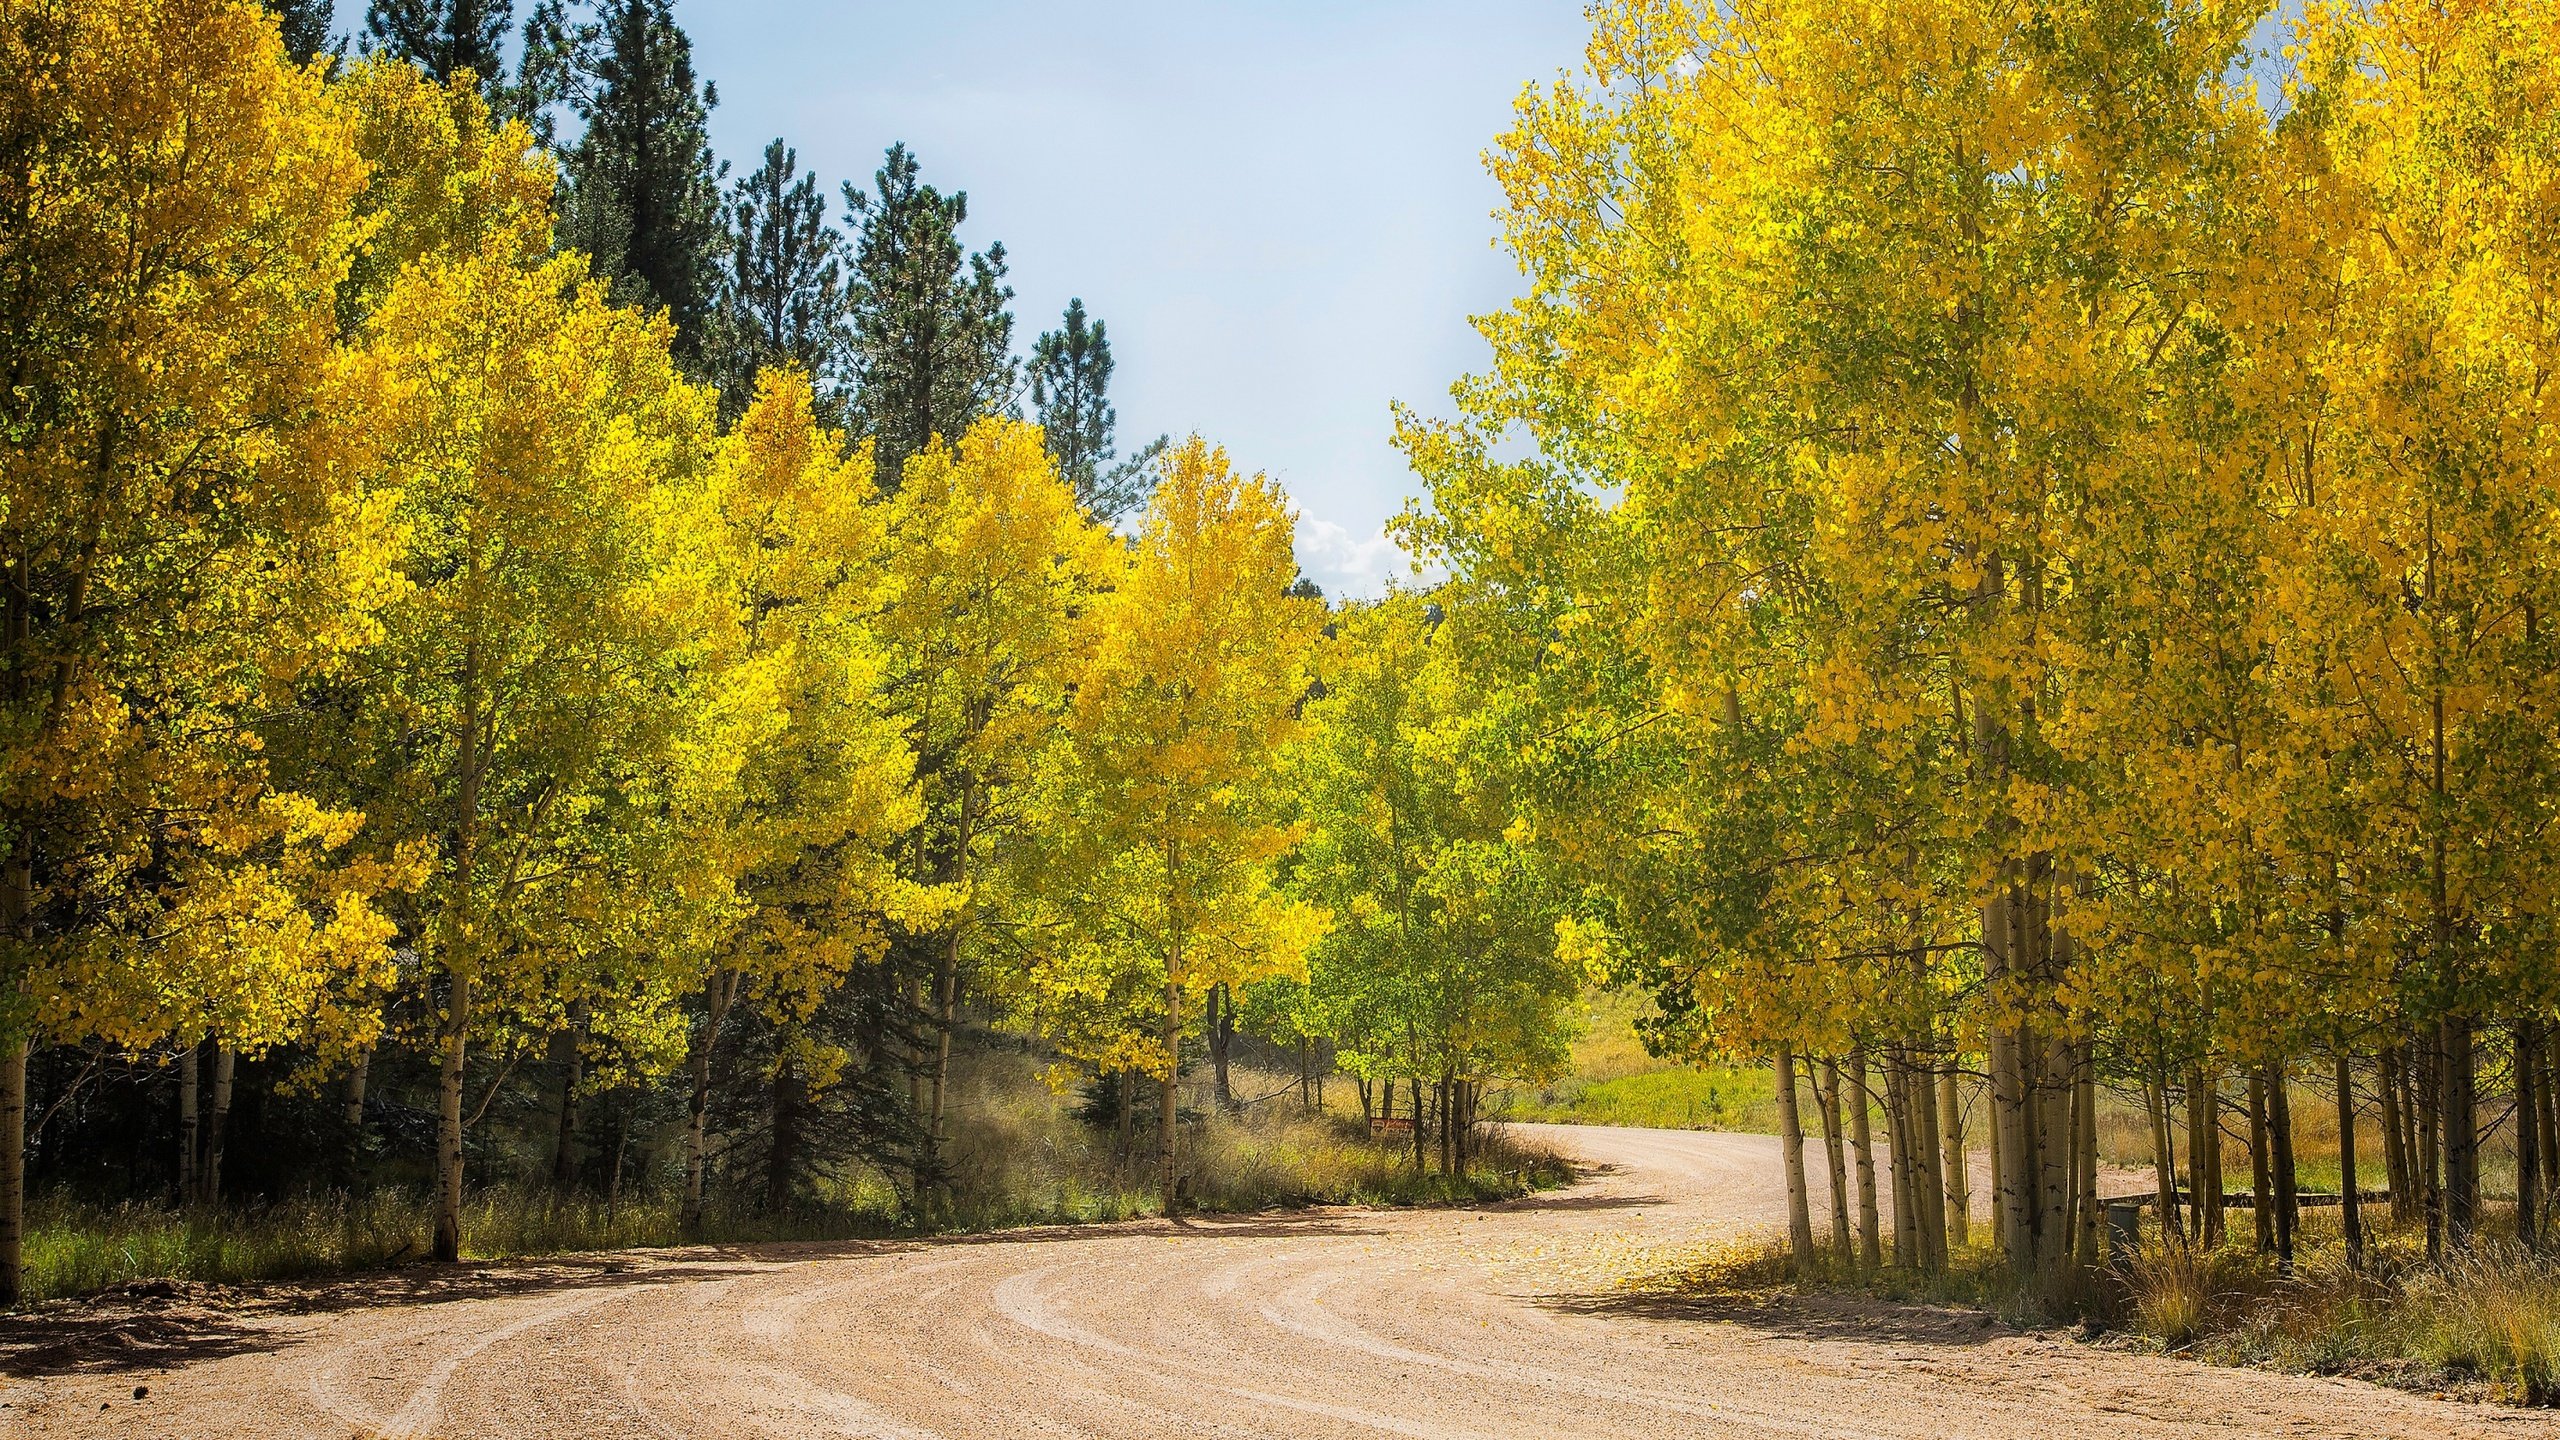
[1502, 1322]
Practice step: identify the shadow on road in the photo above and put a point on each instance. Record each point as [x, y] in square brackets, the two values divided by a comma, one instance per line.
[161, 1325]
[1816, 1317]
[108, 1343]
[1572, 1201]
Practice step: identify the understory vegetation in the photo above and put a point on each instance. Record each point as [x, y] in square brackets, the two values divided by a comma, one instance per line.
[2481, 1325]
[1021, 1155]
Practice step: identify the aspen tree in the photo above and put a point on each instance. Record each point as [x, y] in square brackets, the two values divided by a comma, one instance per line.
[183, 537]
[1160, 793]
[989, 562]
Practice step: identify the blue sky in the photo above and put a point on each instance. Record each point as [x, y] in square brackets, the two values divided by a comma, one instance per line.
[1280, 209]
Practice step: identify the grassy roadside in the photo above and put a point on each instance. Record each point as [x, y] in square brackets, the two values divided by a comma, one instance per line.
[2481, 1327]
[1614, 1082]
[1019, 1158]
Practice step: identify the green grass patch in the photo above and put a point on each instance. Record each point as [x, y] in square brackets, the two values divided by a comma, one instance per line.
[1614, 1082]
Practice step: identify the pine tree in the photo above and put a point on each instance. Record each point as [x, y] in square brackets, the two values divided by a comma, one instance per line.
[442, 37]
[782, 293]
[1070, 389]
[642, 189]
[305, 26]
[932, 339]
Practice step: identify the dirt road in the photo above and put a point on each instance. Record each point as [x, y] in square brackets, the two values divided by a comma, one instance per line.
[1503, 1322]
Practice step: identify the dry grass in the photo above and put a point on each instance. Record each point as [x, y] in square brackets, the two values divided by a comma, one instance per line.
[2485, 1324]
[1017, 1154]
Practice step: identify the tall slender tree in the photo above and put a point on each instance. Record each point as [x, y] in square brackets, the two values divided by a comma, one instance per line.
[304, 24]
[642, 188]
[782, 293]
[442, 37]
[1071, 395]
[932, 339]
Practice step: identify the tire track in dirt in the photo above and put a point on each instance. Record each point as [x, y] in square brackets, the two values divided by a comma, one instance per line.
[1491, 1324]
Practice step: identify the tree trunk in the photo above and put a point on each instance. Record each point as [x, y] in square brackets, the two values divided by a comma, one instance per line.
[2012, 1104]
[2426, 1105]
[621, 1147]
[353, 1098]
[457, 1019]
[188, 1104]
[2528, 1141]
[2350, 1204]
[564, 1127]
[217, 1121]
[1221, 1024]
[1955, 1160]
[2262, 1208]
[2461, 1135]
[1930, 1152]
[1791, 1149]
[1862, 1145]
[2091, 1227]
[2164, 1157]
[2204, 1163]
[1306, 1077]
[1421, 1131]
[13, 1173]
[946, 1019]
[719, 993]
[1897, 1152]
[1126, 1121]
[790, 1094]
[1999, 1172]
[1168, 1152]
[2547, 1081]
[2057, 1151]
[2218, 1216]
[1835, 1154]
[1440, 1108]
[2280, 1160]
[2395, 1136]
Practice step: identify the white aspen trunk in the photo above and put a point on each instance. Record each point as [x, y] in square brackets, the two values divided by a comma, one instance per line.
[2091, 1231]
[217, 1121]
[1930, 1195]
[448, 1241]
[1953, 1160]
[1834, 1153]
[1862, 1145]
[356, 1076]
[2350, 1203]
[718, 995]
[2164, 1158]
[1791, 1147]
[1168, 1152]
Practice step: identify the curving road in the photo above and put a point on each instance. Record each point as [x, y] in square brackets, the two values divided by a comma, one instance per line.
[1499, 1323]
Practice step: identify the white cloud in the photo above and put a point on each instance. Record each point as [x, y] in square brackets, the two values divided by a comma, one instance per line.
[1349, 564]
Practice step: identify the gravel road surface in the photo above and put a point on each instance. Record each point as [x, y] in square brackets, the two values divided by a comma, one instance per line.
[1503, 1323]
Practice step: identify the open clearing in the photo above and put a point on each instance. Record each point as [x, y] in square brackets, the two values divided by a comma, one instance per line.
[1499, 1322]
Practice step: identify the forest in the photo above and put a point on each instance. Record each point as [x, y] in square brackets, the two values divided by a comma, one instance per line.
[497, 619]
[1995, 568]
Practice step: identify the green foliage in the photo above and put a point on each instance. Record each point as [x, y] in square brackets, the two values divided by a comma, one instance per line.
[1441, 960]
[642, 191]
[1070, 391]
[932, 339]
[782, 301]
[444, 38]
